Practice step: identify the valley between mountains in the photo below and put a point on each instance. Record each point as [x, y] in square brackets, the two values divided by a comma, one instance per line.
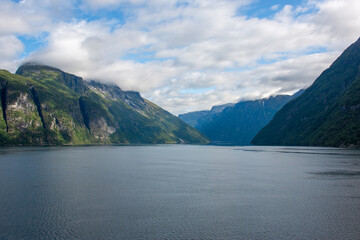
[325, 114]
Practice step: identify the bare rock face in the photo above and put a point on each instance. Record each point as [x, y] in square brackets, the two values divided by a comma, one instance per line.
[21, 118]
[22, 114]
[23, 103]
[101, 130]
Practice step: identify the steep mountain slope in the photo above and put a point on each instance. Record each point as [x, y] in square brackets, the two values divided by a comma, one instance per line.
[194, 119]
[239, 123]
[328, 112]
[48, 106]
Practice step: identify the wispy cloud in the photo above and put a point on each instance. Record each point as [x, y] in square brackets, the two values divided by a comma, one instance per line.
[183, 55]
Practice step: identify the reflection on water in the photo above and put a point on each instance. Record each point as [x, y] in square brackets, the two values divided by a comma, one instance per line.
[179, 192]
[340, 173]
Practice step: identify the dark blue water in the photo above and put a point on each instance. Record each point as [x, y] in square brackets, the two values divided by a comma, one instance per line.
[179, 192]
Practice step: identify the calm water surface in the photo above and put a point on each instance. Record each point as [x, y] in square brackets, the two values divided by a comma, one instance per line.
[179, 192]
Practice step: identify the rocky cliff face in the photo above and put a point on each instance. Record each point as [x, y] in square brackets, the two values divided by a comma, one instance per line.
[48, 106]
[20, 118]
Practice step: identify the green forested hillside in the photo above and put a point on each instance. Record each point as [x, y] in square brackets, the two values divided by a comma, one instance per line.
[326, 114]
[42, 105]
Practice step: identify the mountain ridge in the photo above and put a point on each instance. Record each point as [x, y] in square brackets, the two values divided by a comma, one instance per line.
[237, 123]
[42, 105]
[192, 118]
[326, 114]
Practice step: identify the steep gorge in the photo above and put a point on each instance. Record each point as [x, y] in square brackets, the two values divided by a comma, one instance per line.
[3, 93]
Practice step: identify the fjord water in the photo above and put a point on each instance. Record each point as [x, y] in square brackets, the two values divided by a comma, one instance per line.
[179, 192]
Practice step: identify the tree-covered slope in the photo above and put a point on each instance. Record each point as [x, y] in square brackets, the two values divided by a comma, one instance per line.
[239, 123]
[48, 106]
[326, 114]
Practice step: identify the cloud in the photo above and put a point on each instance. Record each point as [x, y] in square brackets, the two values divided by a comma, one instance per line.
[282, 77]
[339, 19]
[10, 47]
[27, 18]
[186, 55]
[89, 50]
[99, 4]
[275, 7]
[15, 18]
[102, 3]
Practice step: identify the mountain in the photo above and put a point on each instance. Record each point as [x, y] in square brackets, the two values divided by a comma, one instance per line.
[326, 114]
[237, 123]
[194, 119]
[42, 105]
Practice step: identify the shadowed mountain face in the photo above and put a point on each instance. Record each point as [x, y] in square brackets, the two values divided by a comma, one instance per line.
[328, 112]
[48, 106]
[195, 119]
[236, 123]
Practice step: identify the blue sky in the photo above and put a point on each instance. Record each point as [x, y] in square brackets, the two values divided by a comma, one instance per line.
[184, 55]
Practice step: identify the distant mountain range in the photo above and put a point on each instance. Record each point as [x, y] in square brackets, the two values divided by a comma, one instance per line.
[41, 105]
[195, 119]
[326, 114]
[236, 123]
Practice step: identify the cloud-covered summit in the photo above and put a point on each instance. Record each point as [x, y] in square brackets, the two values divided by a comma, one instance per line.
[183, 55]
